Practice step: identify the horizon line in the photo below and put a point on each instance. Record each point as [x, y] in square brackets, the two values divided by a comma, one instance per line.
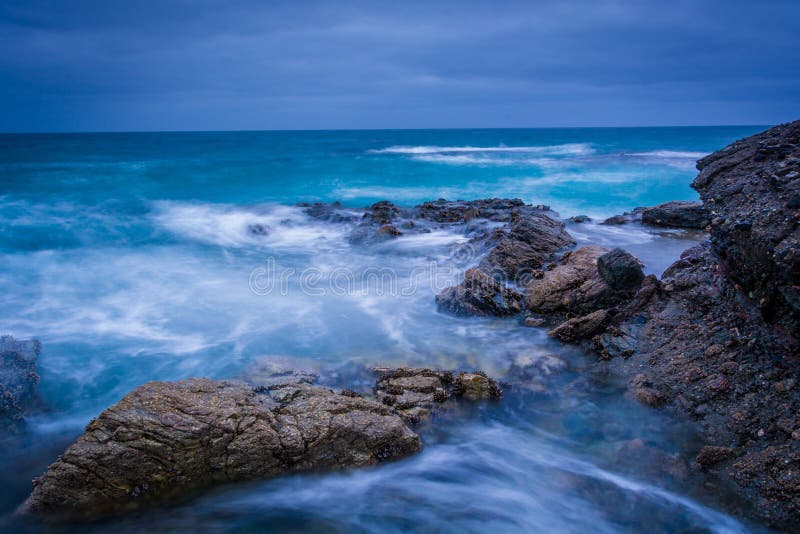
[300, 130]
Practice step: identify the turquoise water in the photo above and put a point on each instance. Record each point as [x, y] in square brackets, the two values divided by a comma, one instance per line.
[129, 257]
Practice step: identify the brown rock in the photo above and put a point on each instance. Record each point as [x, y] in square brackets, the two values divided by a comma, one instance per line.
[165, 439]
[580, 328]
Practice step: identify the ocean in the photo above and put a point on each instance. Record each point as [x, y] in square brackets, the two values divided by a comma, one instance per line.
[131, 257]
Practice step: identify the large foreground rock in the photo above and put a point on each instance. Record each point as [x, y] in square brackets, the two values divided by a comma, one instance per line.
[167, 438]
[752, 189]
[18, 381]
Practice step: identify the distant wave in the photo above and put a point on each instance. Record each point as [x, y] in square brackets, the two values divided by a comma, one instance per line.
[669, 154]
[568, 149]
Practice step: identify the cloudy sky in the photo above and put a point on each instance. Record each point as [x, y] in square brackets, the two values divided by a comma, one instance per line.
[165, 65]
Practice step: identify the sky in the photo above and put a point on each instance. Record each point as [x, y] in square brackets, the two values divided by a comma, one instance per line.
[89, 65]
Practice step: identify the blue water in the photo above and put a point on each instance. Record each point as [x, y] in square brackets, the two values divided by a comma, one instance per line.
[129, 257]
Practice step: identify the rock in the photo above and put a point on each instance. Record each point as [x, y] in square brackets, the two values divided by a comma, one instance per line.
[620, 269]
[276, 371]
[381, 213]
[333, 212]
[710, 354]
[649, 396]
[480, 295]
[167, 439]
[580, 328]
[534, 321]
[616, 219]
[677, 214]
[580, 219]
[476, 386]
[417, 393]
[627, 217]
[389, 231]
[18, 381]
[710, 455]
[531, 240]
[258, 229]
[494, 209]
[376, 224]
[575, 286]
[753, 181]
[414, 393]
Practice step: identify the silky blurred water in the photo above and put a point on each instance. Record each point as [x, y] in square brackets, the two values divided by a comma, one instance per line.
[130, 257]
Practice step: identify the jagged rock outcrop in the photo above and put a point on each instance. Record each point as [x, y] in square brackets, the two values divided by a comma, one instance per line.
[695, 344]
[167, 438]
[480, 295]
[376, 224]
[493, 209]
[18, 380]
[531, 239]
[752, 189]
[677, 214]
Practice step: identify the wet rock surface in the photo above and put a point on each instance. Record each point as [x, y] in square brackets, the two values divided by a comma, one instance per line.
[531, 240]
[575, 286]
[579, 328]
[694, 344]
[677, 214]
[479, 295]
[750, 188]
[18, 381]
[417, 393]
[166, 440]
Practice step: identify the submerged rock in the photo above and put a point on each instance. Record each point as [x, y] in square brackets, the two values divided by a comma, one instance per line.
[677, 214]
[476, 386]
[18, 380]
[627, 217]
[165, 439]
[479, 294]
[580, 219]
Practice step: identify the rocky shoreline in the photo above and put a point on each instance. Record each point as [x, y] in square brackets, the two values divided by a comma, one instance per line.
[715, 340]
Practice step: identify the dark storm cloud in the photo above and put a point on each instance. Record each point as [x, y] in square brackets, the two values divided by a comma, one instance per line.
[91, 65]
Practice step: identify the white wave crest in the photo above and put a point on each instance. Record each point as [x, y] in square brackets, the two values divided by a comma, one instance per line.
[568, 149]
[274, 226]
[670, 154]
